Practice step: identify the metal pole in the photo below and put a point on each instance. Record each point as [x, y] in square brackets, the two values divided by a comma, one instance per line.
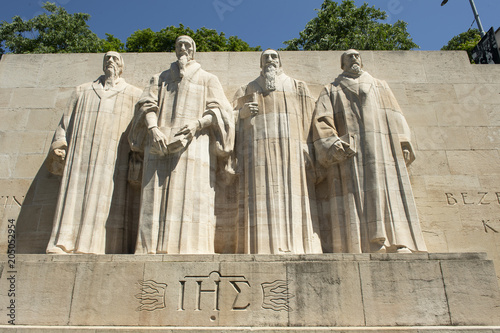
[476, 15]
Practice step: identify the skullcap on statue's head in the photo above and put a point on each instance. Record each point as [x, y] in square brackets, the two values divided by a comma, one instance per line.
[346, 53]
[186, 37]
[267, 51]
[122, 63]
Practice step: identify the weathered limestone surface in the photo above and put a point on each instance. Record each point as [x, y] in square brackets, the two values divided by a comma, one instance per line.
[327, 290]
[184, 128]
[363, 145]
[452, 108]
[98, 329]
[277, 207]
[91, 154]
[453, 111]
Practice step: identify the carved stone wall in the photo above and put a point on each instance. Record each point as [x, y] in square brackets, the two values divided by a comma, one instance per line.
[375, 291]
[452, 107]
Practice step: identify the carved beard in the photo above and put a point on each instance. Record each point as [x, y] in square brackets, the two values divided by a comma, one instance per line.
[270, 72]
[111, 71]
[182, 61]
[355, 69]
[111, 75]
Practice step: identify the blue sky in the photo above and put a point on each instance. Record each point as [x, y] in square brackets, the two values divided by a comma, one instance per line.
[262, 22]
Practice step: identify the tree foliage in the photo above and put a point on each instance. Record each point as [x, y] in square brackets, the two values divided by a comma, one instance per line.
[147, 40]
[465, 41]
[111, 43]
[56, 32]
[344, 26]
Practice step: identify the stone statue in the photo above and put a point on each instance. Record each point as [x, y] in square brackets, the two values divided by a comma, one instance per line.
[277, 210]
[90, 151]
[185, 128]
[362, 139]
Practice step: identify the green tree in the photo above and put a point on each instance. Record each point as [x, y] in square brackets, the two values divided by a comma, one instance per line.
[345, 26]
[142, 41]
[56, 32]
[111, 43]
[206, 40]
[464, 41]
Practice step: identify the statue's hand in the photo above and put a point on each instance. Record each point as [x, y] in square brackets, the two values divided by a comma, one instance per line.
[249, 110]
[159, 141]
[56, 160]
[60, 153]
[407, 156]
[338, 150]
[189, 130]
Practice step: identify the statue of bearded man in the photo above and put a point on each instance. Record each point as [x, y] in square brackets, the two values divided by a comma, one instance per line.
[277, 210]
[185, 130]
[363, 141]
[91, 152]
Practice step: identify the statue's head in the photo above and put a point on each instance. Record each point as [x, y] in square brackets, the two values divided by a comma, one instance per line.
[185, 47]
[351, 61]
[113, 64]
[270, 57]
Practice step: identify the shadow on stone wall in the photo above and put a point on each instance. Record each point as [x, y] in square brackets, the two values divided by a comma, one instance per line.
[34, 223]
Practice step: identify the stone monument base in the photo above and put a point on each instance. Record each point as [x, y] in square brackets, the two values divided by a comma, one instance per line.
[128, 329]
[240, 293]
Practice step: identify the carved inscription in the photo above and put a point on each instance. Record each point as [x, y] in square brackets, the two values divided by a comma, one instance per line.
[472, 198]
[152, 295]
[208, 288]
[488, 227]
[212, 292]
[11, 200]
[276, 296]
[238, 286]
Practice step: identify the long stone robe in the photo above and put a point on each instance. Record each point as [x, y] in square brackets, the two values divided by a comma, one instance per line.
[94, 192]
[178, 190]
[367, 198]
[277, 210]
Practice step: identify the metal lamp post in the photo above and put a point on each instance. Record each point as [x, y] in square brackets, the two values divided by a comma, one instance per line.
[476, 15]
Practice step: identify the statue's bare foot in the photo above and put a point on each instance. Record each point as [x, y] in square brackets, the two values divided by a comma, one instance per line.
[56, 250]
[377, 245]
[403, 249]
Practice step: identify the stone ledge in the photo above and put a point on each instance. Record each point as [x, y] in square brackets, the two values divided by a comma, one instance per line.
[128, 329]
[77, 258]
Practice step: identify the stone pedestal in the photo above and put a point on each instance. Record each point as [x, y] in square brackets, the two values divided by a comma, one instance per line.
[251, 292]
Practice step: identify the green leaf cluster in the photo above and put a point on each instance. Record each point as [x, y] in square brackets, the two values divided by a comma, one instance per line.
[55, 32]
[344, 26]
[111, 43]
[465, 41]
[206, 40]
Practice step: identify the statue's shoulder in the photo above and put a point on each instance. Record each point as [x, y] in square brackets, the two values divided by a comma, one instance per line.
[381, 83]
[133, 90]
[302, 87]
[257, 85]
[163, 76]
[207, 76]
[299, 83]
[87, 85]
[240, 92]
[85, 88]
[336, 83]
